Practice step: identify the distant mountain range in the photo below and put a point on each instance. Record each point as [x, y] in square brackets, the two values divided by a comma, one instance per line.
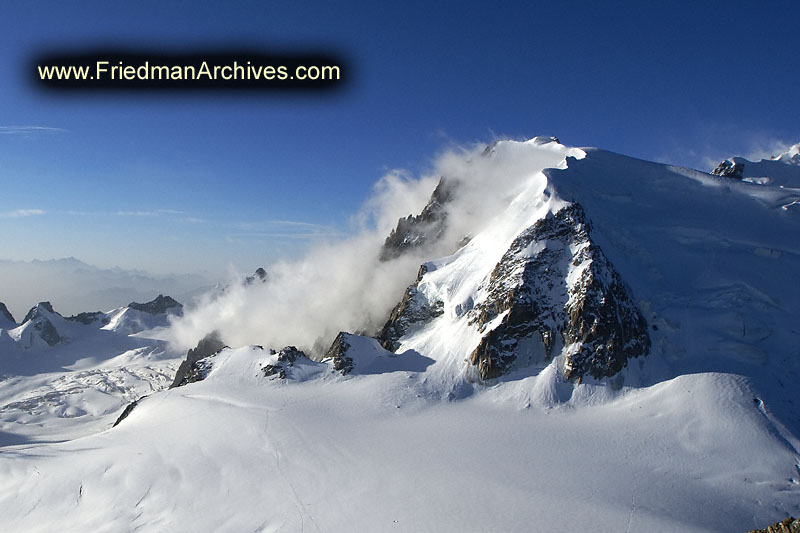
[74, 286]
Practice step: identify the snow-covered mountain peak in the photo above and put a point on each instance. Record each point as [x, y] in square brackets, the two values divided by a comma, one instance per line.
[44, 328]
[512, 297]
[40, 327]
[790, 156]
[543, 139]
[137, 317]
[782, 169]
[534, 152]
[42, 309]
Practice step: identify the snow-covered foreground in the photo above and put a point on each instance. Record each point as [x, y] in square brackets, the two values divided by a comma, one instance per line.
[242, 452]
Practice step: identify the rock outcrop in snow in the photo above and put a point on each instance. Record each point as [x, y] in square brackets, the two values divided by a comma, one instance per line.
[337, 353]
[127, 411]
[782, 169]
[413, 309]
[90, 317]
[416, 231]
[260, 275]
[554, 281]
[286, 358]
[194, 367]
[554, 288]
[729, 169]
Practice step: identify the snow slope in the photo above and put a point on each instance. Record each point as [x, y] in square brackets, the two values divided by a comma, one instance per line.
[698, 435]
[712, 262]
[129, 321]
[242, 452]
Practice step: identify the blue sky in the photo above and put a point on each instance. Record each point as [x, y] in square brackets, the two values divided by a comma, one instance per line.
[176, 182]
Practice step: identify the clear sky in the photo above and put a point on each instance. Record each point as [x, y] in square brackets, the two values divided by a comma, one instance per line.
[175, 182]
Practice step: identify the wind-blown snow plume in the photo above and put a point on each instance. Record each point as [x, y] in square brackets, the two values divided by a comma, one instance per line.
[344, 285]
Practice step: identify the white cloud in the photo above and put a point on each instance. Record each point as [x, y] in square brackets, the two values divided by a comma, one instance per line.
[342, 285]
[29, 130]
[19, 213]
[281, 229]
[765, 148]
[173, 213]
[137, 213]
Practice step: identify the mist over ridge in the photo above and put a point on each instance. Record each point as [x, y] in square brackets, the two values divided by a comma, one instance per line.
[344, 285]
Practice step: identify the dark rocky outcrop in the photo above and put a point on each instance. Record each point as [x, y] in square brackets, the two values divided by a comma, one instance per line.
[413, 309]
[158, 306]
[194, 367]
[89, 318]
[5, 313]
[48, 332]
[128, 410]
[286, 358]
[415, 231]
[604, 325]
[338, 354]
[790, 525]
[36, 311]
[42, 325]
[729, 169]
[259, 275]
[594, 315]
[553, 291]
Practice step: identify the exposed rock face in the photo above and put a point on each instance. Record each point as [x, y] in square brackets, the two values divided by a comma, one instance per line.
[554, 280]
[128, 410]
[729, 169]
[552, 292]
[260, 275]
[159, 306]
[89, 317]
[338, 353]
[415, 231]
[790, 525]
[5, 313]
[286, 357]
[48, 332]
[42, 325]
[413, 309]
[195, 367]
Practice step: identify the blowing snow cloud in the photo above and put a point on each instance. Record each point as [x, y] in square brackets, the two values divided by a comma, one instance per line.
[344, 286]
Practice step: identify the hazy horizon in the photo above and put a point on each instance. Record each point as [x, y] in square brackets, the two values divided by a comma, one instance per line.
[74, 286]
